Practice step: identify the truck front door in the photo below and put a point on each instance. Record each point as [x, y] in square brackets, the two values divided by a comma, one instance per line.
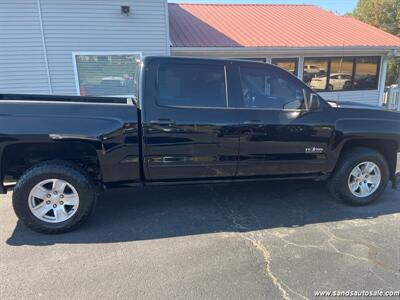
[278, 135]
[188, 132]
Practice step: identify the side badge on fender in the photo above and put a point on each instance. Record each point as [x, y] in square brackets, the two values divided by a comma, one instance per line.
[314, 150]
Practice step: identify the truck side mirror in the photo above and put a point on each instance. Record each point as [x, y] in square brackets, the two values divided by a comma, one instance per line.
[312, 103]
[133, 101]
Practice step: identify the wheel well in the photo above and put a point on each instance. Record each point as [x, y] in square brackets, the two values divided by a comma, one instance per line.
[387, 148]
[18, 158]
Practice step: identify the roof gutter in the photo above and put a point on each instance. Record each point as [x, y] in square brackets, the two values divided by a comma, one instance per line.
[284, 50]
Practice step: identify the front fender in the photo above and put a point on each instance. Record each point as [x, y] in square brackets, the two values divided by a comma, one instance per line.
[380, 134]
[373, 129]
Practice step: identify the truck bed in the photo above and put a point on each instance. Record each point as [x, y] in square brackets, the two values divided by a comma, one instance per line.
[36, 126]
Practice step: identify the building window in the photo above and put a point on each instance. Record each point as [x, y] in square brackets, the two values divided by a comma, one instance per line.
[289, 64]
[366, 73]
[192, 85]
[106, 74]
[342, 73]
[315, 71]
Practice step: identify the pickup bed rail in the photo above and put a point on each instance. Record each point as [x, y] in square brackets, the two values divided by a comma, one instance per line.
[70, 99]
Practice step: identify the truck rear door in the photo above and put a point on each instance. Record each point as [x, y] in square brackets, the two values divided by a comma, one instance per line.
[188, 132]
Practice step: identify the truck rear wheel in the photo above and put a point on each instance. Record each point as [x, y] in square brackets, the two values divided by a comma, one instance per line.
[54, 197]
[360, 177]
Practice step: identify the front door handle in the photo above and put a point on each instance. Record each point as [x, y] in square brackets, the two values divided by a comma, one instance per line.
[253, 122]
[164, 122]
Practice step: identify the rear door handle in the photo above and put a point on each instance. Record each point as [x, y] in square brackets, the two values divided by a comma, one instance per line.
[162, 122]
[253, 122]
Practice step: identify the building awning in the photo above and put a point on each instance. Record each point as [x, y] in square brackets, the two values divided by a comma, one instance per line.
[270, 26]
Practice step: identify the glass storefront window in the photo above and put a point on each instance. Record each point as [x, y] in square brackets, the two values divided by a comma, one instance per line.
[289, 64]
[342, 73]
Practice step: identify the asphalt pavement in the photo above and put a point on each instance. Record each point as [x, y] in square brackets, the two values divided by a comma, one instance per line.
[263, 240]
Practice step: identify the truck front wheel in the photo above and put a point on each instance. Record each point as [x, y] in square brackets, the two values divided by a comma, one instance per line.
[360, 177]
[54, 197]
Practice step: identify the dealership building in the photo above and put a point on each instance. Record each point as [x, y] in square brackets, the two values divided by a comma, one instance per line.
[92, 47]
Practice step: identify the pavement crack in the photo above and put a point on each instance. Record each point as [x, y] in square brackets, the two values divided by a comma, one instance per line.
[254, 237]
[287, 242]
[267, 260]
[372, 251]
[329, 242]
[381, 279]
[259, 246]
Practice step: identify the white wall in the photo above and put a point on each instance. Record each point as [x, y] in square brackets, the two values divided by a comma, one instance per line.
[22, 63]
[366, 97]
[72, 26]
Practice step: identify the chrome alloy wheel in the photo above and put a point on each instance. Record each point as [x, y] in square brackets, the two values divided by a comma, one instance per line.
[53, 201]
[364, 179]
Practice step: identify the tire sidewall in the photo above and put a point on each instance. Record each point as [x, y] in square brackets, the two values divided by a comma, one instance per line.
[346, 169]
[23, 188]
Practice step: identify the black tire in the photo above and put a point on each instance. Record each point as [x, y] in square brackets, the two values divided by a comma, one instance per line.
[63, 170]
[338, 183]
[347, 85]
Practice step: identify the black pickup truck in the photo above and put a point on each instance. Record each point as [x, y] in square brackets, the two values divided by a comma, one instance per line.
[194, 121]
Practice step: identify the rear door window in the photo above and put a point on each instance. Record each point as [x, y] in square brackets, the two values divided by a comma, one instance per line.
[192, 85]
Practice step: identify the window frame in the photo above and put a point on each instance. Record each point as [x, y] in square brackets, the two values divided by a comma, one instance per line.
[297, 58]
[99, 53]
[353, 72]
[223, 65]
[261, 59]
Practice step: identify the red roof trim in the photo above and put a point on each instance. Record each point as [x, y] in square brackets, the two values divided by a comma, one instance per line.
[269, 25]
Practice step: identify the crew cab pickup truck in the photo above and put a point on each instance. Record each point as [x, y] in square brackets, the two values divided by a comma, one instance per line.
[193, 121]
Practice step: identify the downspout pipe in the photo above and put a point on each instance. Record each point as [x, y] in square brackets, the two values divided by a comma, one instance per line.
[383, 78]
[46, 61]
